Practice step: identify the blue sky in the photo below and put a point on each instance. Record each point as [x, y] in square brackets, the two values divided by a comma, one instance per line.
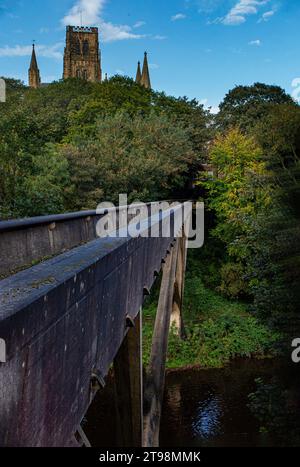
[198, 48]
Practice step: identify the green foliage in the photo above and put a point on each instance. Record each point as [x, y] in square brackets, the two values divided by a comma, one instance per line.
[43, 191]
[192, 116]
[233, 282]
[237, 192]
[244, 106]
[255, 199]
[274, 264]
[218, 340]
[13, 85]
[218, 330]
[145, 157]
[273, 408]
[106, 99]
[71, 115]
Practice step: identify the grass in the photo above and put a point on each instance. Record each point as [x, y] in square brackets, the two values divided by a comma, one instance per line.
[218, 330]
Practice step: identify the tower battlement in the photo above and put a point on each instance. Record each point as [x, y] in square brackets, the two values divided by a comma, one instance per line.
[83, 29]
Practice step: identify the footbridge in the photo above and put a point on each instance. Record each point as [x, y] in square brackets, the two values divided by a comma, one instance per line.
[71, 309]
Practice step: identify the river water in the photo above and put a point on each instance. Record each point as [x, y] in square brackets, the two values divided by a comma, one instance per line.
[211, 407]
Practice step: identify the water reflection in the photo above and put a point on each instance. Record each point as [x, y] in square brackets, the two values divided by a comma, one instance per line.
[206, 422]
[207, 407]
[214, 405]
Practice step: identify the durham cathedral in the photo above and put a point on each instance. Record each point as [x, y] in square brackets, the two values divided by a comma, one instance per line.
[82, 59]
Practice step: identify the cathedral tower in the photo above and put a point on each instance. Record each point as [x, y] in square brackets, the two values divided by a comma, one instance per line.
[34, 72]
[82, 58]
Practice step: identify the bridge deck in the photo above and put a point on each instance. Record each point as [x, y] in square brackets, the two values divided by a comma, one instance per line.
[62, 321]
[30, 241]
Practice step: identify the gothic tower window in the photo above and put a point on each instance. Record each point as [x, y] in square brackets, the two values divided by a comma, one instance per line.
[85, 48]
[78, 74]
[77, 47]
[85, 74]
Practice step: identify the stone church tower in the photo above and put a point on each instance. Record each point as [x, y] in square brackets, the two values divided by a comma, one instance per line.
[82, 58]
[34, 72]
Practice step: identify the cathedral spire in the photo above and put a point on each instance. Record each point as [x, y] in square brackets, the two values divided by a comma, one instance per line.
[34, 72]
[145, 80]
[138, 74]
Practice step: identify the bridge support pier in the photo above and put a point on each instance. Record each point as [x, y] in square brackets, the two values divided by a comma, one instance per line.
[128, 374]
[155, 383]
[176, 316]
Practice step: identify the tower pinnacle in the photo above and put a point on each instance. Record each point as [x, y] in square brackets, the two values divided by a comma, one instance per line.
[138, 74]
[34, 72]
[145, 81]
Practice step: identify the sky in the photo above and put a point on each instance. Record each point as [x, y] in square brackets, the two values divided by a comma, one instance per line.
[197, 48]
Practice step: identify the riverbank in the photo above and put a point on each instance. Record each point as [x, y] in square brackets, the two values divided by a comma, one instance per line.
[218, 330]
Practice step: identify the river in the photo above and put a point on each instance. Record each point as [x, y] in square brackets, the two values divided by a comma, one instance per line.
[211, 407]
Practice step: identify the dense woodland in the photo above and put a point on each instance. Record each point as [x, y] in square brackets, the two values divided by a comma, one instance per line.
[73, 144]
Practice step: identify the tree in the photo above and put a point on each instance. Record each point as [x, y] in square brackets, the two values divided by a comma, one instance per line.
[237, 193]
[111, 96]
[69, 111]
[43, 191]
[244, 106]
[13, 85]
[144, 157]
[17, 143]
[256, 199]
[123, 94]
[275, 263]
[192, 115]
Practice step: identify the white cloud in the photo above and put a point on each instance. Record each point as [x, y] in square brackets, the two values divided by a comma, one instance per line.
[178, 17]
[48, 51]
[159, 38]
[243, 8]
[153, 66]
[203, 102]
[267, 16]
[139, 24]
[85, 12]
[110, 32]
[296, 89]
[212, 108]
[89, 13]
[257, 42]
[206, 6]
